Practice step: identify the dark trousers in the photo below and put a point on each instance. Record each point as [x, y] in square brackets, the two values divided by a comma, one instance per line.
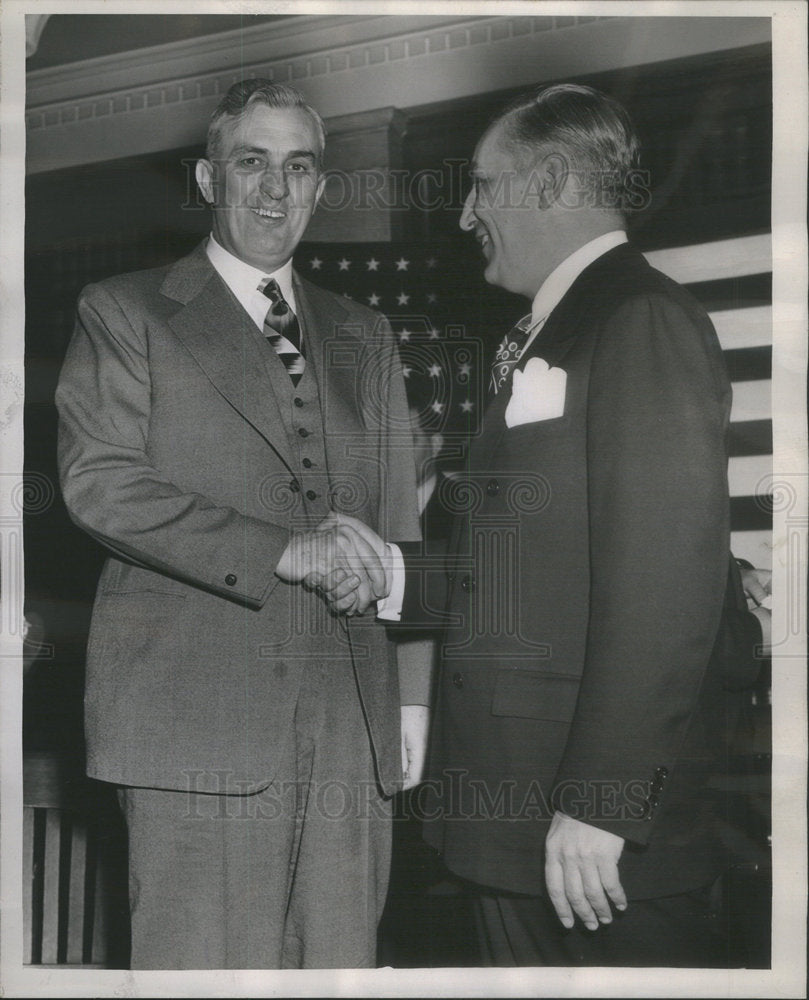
[680, 931]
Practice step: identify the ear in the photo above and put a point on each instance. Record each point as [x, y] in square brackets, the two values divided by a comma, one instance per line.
[205, 179]
[553, 171]
[321, 184]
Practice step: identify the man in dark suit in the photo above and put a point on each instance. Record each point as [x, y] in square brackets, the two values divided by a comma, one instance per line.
[585, 681]
[212, 413]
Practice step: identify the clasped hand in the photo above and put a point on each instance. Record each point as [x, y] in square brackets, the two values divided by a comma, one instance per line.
[343, 559]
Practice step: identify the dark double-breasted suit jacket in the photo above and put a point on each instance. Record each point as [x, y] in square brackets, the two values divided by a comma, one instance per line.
[185, 449]
[588, 590]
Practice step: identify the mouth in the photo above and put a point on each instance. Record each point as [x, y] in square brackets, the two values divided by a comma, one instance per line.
[268, 213]
[483, 238]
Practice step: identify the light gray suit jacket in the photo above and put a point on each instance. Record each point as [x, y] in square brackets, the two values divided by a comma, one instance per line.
[177, 450]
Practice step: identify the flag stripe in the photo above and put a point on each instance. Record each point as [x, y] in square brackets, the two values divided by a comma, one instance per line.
[750, 437]
[714, 261]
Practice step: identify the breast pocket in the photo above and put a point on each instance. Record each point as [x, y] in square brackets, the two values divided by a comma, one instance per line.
[539, 428]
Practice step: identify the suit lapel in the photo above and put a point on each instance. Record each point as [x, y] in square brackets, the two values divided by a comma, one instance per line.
[561, 331]
[220, 336]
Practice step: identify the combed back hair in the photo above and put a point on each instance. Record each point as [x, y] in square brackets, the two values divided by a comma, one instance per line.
[594, 130]
[246, 93]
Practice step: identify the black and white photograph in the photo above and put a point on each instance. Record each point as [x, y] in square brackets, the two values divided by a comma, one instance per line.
[403, 489]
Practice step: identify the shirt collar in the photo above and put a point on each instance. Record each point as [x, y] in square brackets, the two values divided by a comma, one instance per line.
[557, 283]
[243, 279]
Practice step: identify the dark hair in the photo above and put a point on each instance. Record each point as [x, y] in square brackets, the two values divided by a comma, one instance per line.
[258, 91]
[594, 130]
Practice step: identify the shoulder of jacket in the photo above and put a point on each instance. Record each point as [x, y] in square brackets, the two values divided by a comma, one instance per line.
[125, 285]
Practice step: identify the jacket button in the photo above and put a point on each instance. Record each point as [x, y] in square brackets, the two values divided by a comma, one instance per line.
[451, 576]
[661, 773]
[468, 583]
[230, 579]
[303, 432]
[457, 680]
[493, 487]
[311, 495]
[298, 401]
[295, 486]
[307, 463]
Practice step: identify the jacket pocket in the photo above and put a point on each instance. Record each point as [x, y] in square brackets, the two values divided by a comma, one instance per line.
[530, 694]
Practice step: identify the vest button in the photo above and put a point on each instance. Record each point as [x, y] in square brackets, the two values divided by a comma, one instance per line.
[230, 579]
[457, 680]
[493, 487]
[468, 583]
[298, 401]
[307, 463]
[295, 486]
[311, 495]
[303, 432]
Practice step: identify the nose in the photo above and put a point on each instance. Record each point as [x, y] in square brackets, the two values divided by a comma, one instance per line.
[467, 221]
[274, 183]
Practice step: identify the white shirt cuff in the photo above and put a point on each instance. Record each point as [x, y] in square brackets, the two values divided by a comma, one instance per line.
[390, 608]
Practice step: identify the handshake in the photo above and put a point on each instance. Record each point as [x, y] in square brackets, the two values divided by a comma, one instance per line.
[344, 560]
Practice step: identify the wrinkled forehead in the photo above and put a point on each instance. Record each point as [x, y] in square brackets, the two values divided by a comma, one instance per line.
[277, 129]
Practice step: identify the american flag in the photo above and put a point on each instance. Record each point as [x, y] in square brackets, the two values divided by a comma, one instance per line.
[446, 330]
[449, 321]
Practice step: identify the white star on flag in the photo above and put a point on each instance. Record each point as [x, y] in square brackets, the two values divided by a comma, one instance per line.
[373, 264]
[343, 264]
[316, 262]
[466, 406]
[402, 299]
[438, 407]
[373, 299]
[431, 262]
[465, 369]
[406, 371]
[434, 371]
[401, 264]
[404, 335]
[432, 297]
[433, 333]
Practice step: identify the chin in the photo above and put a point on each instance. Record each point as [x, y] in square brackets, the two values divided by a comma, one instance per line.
[490, 273]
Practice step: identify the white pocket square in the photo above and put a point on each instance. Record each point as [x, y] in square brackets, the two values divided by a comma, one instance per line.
[537, 393]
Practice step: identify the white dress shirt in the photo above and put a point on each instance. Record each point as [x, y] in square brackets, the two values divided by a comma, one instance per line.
[243, 280]
[548, 297]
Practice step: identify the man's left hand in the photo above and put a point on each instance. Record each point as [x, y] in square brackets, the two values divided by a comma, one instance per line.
[415, 727]
[581, 871]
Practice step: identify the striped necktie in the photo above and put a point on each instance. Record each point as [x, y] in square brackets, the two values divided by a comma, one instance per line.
[508, 354]
[282, 331]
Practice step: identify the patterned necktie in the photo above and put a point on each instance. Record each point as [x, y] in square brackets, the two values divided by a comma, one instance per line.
[508, 354]
[282, 331]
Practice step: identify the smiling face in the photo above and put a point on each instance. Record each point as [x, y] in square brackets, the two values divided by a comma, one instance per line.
[503, 210]
[265, 184]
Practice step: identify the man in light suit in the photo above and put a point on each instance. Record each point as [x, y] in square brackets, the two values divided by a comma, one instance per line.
[211, 414]
[588, 668]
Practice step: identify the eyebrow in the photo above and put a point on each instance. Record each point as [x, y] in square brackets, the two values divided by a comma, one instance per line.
[307, 153]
